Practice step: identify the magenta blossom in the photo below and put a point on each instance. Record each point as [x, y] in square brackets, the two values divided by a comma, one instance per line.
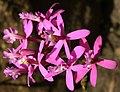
[14, 72]
[49, 58]
[11, 54]
[62, 38]
[61, 66]
[23, 63]
[29, 16]
[91, 61]
[11, 35]
[29, 64]
[40, 17]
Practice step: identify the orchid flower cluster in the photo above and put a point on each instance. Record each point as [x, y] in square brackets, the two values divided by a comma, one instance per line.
[49, 58]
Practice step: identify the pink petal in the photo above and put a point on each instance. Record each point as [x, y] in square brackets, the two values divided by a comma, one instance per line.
[60, 24]
[69, 80]
[30, 73]
[53, 74]
[76, 54]
[78, 34]
[24, 44]
[67, 50]
[97, 46]
[109, 64]
[54, 5]
[55, 51]
[41, 46]
[18, 48]
[48, 13]
[59, 61]
[6, 31]
[56, 13]
[56, 62]
[84, 43]
[52, 43]
[28, 27]
[48, 26]
[44, 73]
[93, 76]
[27, 52]
[40, 56]
[5, 36]
[81, 72]
[40, 28]
[77, 67]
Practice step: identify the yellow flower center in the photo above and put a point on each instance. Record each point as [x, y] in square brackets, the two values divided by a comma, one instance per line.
[23, 61]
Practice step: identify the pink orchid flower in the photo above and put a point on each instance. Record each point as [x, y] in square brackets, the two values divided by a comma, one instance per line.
[21, 66]
[40, 17]
[61, 66]
[13, 71]
[49, 23]
[62, 38]
[12, 34]
[29, 16]
[51, 32]
[23, 62]
[91, 61]
[11, 54]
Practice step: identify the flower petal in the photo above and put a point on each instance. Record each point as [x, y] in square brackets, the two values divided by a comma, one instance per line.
[30, 73]
[54, 5]
[25, 52]
[56, 13]
[80, 73]
[69, 80]
[76, 54]
[44, 73]
[24, 44]
[78, 34]
[57, 62]
[67, 50]
[109, 64]
[77, 67]
[55, 51]
[97, 46]
[40, 28]
[83, 42]
[6, 31]
[49, 26]
[28, 27]
[40, 56]
[41, 45]
[93, 76]
[60, 24]
[48, 13]
[53, 74]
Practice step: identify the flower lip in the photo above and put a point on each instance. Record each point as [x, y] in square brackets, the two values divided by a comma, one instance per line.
[59, 68]
[89, 60]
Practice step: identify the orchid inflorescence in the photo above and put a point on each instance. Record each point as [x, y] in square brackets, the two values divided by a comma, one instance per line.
[52, 41]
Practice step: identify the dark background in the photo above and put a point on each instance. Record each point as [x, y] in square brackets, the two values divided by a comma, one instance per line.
[102, 17]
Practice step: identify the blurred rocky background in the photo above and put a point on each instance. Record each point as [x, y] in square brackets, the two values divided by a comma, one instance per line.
[102, 17]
